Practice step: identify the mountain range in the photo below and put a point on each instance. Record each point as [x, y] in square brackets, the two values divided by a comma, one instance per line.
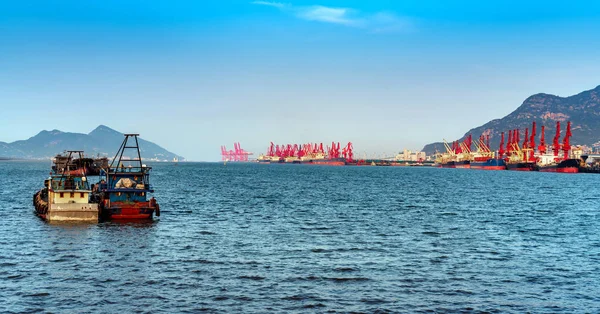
[583, 110]
[102, 141]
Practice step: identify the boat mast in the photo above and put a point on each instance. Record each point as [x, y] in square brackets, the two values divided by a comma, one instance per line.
[125, 146]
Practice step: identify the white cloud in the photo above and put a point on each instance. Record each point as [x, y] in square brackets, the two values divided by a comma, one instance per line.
[344, 16]
[380, 22]
[270, 4]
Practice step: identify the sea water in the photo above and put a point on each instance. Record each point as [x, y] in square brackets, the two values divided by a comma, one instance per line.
[253, 238]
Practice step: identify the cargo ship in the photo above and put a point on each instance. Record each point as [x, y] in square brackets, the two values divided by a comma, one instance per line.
[465, 158]
[457, 156]
[564, 166]
[123, 191]
[445, 160]
[489, 164]
[484, 158]
[340, 161]
[521, 157]
[551, 163]
[555, 163]
[65, 196]
[461, 164]
[263, 159]
[465, 164]
[311, 154]
[590, 163]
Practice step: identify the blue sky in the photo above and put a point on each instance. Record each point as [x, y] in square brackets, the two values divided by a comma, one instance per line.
[194, 75]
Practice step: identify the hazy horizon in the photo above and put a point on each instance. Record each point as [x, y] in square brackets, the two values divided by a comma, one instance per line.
[193, 76]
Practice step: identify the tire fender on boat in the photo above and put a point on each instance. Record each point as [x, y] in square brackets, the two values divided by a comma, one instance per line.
[157, 210]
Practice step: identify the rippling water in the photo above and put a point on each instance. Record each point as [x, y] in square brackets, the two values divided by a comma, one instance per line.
[296, 238]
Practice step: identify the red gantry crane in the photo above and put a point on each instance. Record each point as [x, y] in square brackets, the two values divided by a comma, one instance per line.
[566, 144]
[237, 154]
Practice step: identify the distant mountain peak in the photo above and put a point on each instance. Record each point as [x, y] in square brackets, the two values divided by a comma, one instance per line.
[103, 129]
[101, 141]
[582, 109]
[51, 132]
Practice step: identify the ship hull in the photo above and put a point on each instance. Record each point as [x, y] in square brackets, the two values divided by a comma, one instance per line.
[64, 212]
[447, 165]
[464, 164]
[128, 211]
[565, 166]
[522, 166]
[329, 162]
[490, 164]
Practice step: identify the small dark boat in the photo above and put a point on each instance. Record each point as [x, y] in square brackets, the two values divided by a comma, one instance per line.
[91, 166]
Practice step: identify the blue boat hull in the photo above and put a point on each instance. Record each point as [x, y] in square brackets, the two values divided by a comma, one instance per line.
[490, 164]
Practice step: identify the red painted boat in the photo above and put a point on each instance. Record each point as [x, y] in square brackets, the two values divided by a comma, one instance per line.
[124, 191]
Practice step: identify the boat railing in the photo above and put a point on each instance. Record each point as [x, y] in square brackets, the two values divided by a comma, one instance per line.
[68, 183]
[129, 169]
[128, 190]
[105, 188]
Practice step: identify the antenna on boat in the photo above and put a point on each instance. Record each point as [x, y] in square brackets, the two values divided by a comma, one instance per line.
[126, 145]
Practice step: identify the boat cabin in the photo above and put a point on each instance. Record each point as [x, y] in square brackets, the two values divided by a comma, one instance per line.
[67, 189]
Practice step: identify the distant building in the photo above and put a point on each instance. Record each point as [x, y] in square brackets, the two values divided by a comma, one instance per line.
[408, 155]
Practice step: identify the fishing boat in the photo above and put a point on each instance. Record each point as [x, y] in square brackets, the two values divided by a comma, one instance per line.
[123, 191]
[65, 196]
[91, 166]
